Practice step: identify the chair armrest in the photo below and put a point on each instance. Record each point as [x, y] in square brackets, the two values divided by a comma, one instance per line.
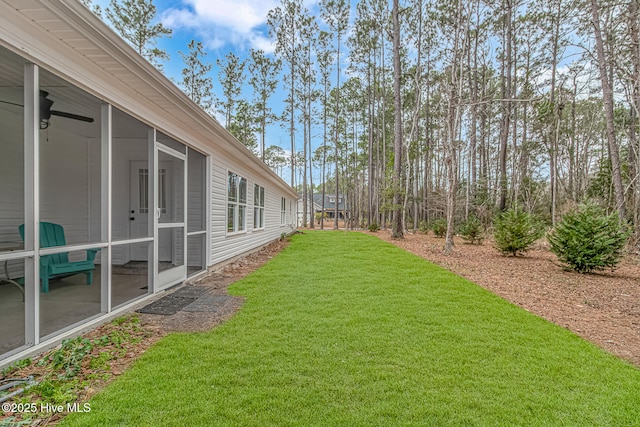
[91, 254]
[44, 260]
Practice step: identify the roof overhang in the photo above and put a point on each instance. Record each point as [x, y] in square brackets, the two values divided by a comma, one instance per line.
[66, 38]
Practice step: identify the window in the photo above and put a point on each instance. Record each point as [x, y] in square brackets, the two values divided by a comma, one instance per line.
[292, 213]
[258, 206]
[143, 186]
[283, 211]
[237, 203]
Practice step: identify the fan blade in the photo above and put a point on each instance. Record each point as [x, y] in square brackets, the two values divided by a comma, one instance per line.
[71, 116]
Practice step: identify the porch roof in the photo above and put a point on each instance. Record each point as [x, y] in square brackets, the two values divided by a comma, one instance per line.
[65, 37]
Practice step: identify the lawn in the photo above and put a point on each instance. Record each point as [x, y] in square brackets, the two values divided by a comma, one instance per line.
[344, 329]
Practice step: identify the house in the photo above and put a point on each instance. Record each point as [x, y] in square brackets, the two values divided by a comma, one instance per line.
[329, 207]
[147, 189]
[312, 208]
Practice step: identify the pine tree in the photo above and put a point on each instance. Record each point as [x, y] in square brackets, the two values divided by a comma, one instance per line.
[587, 239]
[285, 26]
[336, 14]
[264, 80]
[243, 126]
[196, 82]
[133, 20]
[515, 232]
[231, 77]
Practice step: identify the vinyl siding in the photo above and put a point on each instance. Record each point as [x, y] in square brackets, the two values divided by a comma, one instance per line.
[225, 246]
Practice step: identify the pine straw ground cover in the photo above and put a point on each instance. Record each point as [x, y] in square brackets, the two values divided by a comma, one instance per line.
[74, 371]
[603, 307]
[344, 329]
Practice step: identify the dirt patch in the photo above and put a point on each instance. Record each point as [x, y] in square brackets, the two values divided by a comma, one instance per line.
[603, 308]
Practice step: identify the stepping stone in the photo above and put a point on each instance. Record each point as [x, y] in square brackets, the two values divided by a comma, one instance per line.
[174, 302]
[207, 304]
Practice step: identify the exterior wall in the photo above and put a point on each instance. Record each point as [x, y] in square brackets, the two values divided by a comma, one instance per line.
[312, 208]
[224, 245]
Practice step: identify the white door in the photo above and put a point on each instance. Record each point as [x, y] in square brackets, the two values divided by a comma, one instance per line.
[140, 212]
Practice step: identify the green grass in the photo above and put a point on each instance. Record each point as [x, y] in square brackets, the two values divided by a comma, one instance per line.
[346, 330]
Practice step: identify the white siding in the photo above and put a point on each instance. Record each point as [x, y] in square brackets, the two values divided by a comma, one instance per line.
[224, 246]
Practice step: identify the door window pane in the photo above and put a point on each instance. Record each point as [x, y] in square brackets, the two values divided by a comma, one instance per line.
[170, 188]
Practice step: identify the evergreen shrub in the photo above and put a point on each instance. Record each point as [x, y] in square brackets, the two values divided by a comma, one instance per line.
[471, 230]
[587, 239]
[439, 227]
[515, 232]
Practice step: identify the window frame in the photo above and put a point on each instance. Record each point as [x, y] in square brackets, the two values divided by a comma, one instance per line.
[236, 205]
[283, 211]
[258, 206]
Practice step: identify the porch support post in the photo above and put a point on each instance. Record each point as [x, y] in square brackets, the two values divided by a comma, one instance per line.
[32, 203]
[153, 211]
[185, 192]
[105, 234]
[207, 210]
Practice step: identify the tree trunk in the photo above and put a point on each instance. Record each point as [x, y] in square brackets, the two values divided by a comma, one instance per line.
[607, 94]
[506, 109]
[397, 231]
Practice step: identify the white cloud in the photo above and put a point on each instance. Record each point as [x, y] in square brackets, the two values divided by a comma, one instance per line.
[223, 21]
[240, 15]
[263, 43]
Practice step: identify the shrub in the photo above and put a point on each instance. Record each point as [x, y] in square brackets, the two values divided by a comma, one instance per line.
[588, 239]
[374, 227]
[515, 232]
[423, 227]
[471, 230]
[439, 227]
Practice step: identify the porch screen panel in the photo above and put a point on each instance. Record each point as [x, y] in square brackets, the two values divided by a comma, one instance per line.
[12, 203]
[197, 211]
[196, 176]
[130, 280]
[12, 151]
[12, 320]
[71, 201]
[131, 183]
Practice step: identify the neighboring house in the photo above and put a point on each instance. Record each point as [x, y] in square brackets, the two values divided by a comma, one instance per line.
[312, 208]
[98, 141]
[329, 207]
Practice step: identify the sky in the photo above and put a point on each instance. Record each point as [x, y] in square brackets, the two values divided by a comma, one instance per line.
[222, 26]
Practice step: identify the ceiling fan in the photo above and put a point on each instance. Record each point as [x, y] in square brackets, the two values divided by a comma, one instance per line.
[46, 112]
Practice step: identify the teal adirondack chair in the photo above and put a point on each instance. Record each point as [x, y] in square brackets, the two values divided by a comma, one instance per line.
[58, 265]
